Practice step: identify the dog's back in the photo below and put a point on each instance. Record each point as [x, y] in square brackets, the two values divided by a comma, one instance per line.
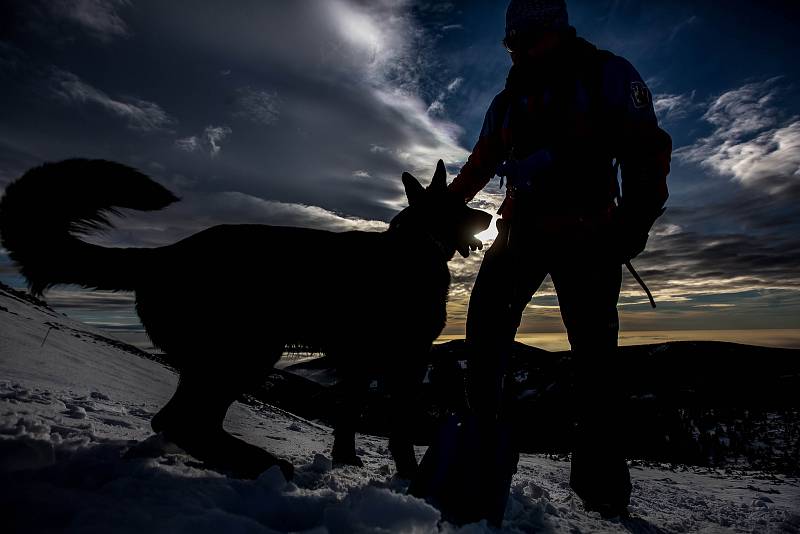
[295, 286]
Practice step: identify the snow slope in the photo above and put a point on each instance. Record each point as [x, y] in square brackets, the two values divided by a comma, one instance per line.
[77, 454]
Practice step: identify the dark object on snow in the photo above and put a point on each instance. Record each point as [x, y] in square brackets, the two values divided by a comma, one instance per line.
[225, 337]
[466, 472]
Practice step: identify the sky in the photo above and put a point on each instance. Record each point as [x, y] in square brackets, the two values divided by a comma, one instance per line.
[306, 112]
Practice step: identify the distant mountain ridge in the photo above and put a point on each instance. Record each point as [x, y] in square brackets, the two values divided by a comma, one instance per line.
[698, 402]
[706, 403]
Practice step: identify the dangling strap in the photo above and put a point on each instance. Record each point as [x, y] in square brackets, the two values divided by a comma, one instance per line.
[641, 282]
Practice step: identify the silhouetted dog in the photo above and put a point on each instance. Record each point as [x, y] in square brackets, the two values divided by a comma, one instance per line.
[224, 302]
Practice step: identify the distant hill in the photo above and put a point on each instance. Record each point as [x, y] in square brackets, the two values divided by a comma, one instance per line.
[698, 402]
[703, 403]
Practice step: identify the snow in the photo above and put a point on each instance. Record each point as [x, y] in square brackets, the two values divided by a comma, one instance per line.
[77, 454]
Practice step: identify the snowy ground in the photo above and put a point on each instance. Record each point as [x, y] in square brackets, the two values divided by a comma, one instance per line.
[77, 454]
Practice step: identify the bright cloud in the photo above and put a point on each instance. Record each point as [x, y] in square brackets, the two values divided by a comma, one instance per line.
[674, 107]
[437, 106]
[750, 142]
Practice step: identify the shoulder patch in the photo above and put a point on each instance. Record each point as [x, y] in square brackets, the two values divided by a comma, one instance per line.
[640, 95]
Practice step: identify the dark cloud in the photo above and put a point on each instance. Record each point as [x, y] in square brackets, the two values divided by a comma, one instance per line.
[258, 105]
[100, 18]
[331, 80]
[138, 114]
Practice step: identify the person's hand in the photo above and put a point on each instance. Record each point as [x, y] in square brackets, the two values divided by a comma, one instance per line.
[630, 236]
[632, 243]
[632, 229]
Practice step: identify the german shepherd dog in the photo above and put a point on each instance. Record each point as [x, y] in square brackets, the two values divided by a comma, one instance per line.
[224, 303]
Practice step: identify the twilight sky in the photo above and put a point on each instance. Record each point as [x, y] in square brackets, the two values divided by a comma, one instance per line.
[306, 112]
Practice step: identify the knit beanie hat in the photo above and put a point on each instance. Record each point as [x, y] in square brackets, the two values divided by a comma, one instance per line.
[528, 16]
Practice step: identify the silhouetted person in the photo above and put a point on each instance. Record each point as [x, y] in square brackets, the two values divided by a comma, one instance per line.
[568, 115]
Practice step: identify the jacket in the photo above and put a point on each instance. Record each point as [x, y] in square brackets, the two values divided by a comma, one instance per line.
[593, 111]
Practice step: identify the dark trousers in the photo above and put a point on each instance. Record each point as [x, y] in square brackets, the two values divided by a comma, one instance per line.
[587, 278]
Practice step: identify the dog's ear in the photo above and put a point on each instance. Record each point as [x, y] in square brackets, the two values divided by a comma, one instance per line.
[414, 189]
[439, 181]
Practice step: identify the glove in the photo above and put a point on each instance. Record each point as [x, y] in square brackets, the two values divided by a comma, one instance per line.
[522, 173]
[631, 233]
[631, 244]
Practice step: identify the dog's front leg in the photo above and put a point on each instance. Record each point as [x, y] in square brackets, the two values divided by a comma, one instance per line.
[404, 384]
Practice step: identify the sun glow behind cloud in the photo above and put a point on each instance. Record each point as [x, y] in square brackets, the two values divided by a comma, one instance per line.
[357, 27]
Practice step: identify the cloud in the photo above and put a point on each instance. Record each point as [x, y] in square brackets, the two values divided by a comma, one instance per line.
[214, 135]
[770, 161]
[140, 115]
[681, 26]
[437, 106]
[99, 17]
[110, 301]
[258, 106]
[751, 143]
[670, 107]
[198, 211]
[454, 84]
[358, 76]
[436, 7]
[188, 144]
[209, 141]
[745, 110]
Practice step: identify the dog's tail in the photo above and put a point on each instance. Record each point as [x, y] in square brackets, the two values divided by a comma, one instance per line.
[42, 213]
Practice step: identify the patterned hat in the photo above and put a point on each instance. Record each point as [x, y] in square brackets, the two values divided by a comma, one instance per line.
[525, 16]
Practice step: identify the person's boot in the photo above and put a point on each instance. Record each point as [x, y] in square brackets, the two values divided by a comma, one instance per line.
[602, 481]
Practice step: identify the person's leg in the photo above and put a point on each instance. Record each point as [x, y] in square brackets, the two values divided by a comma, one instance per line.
[588, 289]
[507, 278]
[505, 283]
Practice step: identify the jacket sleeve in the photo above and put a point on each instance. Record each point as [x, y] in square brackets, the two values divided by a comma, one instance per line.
[487, 154]
[641, 147]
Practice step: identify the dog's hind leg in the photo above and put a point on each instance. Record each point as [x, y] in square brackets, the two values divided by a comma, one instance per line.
[403, 381]
[193, 419]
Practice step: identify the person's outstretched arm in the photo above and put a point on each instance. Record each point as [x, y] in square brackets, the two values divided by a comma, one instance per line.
[487, 154]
